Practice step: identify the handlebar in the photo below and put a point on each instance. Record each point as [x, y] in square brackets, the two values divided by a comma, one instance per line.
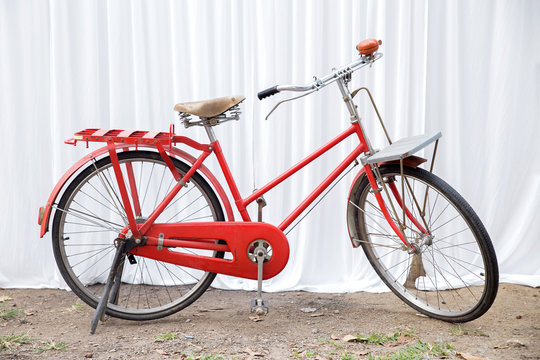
[268, 92]
[328, 79]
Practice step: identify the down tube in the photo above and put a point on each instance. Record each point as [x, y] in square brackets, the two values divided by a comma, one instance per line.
[319, 189]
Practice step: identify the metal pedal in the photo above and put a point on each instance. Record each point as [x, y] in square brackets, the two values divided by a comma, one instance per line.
[259, 306]
[260, 255]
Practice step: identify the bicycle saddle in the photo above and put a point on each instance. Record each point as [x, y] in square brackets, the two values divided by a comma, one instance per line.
[209, 108]
[368, 46]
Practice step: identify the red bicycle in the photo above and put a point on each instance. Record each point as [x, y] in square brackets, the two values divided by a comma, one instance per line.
[141, 227]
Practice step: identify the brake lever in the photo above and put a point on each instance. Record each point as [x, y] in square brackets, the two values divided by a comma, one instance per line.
[290, 99]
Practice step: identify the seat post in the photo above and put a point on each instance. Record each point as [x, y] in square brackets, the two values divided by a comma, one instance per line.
[210, 132]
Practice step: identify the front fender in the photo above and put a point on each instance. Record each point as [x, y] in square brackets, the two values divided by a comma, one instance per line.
[45, 212]
[411, 161]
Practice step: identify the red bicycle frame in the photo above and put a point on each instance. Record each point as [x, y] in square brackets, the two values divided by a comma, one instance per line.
[241, 203]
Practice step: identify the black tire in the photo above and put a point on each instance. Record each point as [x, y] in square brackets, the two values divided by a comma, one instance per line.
[454, 275]
[89, 215]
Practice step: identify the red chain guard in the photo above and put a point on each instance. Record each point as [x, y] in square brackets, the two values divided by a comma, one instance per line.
[237, 235]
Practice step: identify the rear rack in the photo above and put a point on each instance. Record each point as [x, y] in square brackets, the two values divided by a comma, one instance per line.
[134, 137]
[122, 136]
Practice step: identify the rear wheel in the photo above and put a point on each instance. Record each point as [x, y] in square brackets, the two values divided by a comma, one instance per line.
[90, 215]
[453, 275]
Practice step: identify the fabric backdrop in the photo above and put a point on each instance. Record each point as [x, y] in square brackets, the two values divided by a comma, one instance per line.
[468, 68]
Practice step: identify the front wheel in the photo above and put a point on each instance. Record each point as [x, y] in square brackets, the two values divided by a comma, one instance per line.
[453, 274]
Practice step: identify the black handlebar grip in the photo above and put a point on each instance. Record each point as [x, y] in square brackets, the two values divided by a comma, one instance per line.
[268, 92]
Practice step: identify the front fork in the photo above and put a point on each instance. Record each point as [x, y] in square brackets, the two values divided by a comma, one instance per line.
[377, 192]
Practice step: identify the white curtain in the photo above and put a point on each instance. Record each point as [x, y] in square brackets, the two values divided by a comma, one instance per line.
[468, 68]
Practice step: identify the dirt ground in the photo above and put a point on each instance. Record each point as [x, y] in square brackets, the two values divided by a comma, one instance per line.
[54, 324]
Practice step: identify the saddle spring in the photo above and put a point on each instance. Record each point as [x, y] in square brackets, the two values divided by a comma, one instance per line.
[231, 114]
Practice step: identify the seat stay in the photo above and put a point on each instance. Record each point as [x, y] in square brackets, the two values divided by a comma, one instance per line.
[174, 191]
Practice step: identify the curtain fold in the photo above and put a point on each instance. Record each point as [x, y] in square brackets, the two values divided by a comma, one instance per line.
[469, 69]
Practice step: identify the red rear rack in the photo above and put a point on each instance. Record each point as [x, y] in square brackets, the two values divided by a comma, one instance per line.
[122, 136]
[135, 137]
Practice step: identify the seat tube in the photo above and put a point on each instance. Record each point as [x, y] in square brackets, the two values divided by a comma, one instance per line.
[210, 133]
[227, 173]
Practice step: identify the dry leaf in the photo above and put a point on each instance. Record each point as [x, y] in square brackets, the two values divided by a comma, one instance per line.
[402, 339]
[515, 343]
[350, 338]
[162, 352]
[212, 309]
[28, 312]
[253, 353]
[4, 298]
[334, 337]
[88, 355]
[255, 318]
[469, 357]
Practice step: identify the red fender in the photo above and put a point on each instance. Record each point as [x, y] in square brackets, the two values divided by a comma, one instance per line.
[45, 212]
[411, 161]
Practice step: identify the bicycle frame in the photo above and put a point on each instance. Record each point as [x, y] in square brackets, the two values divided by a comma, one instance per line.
[241, 203]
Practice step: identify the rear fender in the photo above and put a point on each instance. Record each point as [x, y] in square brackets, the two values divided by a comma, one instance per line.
[45, 211]
[411, 161]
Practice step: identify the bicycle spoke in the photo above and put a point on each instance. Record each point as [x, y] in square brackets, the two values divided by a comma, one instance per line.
[94, 264]
[89, 251]
[159, 188]
[452, 219]
[163, 281]
[99, 202]
[151, 283]
[147, 185]
[198, 218]
[105, 183]
[178, 198]
[188, 205]
[79, 215]
[460, 278]
[103, 196]
[193, 213]
[459, 261]
[87, 232]
[457, 232]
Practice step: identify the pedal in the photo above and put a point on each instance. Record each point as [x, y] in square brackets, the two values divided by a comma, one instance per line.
[259, 254]
[259, 306]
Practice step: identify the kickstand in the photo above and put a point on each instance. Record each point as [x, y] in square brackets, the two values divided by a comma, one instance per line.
[259, 306]
[111, 280]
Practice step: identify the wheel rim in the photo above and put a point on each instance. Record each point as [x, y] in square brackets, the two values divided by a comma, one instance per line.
[446, 276]
[93, 216]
